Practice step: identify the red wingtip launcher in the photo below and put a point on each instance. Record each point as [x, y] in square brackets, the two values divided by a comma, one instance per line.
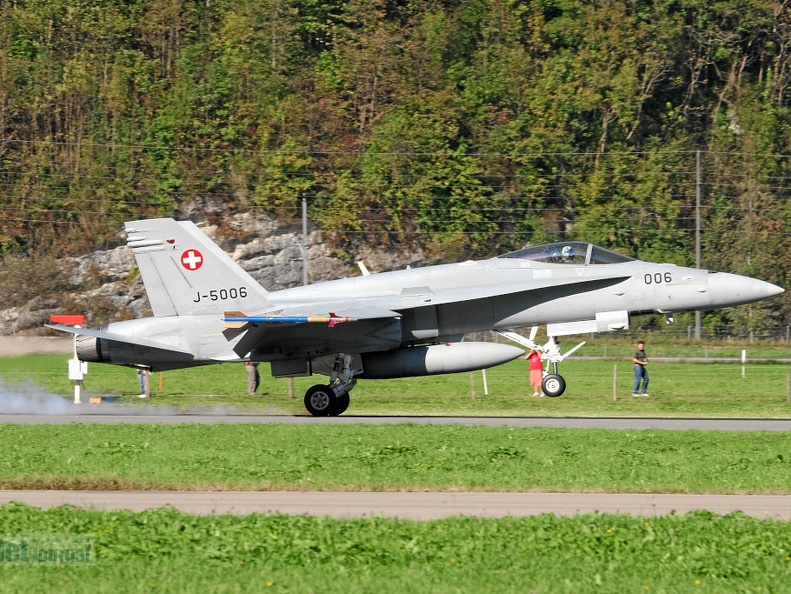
[238, 319]
[67, 319]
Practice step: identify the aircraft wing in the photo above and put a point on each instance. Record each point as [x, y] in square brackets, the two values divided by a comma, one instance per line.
[136, 340]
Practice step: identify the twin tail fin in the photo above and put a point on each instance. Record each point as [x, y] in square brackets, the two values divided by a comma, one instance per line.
[186, 274]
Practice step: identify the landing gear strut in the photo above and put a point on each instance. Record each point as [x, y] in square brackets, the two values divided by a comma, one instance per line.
[332, 399]
[553, 383]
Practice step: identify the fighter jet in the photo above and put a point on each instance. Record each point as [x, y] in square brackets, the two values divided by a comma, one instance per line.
[403, 323]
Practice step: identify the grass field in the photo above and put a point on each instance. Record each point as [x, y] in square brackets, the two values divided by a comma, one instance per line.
[165, 550]
[392, 458]
[596, 387]
[168, 551]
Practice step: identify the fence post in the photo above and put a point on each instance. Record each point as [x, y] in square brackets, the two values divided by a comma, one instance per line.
[615, 382]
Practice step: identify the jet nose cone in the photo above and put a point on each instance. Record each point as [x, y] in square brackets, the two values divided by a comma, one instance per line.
[732, 289]
[772, 290]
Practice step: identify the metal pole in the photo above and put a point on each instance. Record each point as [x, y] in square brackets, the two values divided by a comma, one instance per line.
[304, 240]
[697, 232]
[77, 364]
[614, 383]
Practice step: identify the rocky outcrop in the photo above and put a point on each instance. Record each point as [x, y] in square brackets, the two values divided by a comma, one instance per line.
[107, 285]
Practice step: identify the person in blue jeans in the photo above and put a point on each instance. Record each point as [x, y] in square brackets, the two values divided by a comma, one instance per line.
[640, 372]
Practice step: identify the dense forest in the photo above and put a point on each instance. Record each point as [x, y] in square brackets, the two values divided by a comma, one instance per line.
[466, 127]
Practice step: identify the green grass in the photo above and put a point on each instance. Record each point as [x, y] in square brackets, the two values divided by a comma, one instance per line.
[169, 551]
[392, 458]
[678, 389]
[165, 550]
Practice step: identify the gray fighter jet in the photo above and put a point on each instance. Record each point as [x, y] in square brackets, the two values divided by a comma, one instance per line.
[403, 323]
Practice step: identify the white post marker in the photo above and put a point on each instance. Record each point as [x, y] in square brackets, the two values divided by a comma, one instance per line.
[77, 369]
[615, 383]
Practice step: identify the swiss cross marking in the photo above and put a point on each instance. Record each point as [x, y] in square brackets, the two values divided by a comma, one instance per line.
[192, 259]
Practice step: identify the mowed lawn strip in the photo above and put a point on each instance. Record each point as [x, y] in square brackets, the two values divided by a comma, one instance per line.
[165, 550]
[392, 457]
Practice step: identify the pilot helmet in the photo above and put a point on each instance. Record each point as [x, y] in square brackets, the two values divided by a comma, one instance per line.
[567, 252]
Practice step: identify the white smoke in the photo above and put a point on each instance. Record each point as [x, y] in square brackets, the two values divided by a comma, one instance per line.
[29, 399]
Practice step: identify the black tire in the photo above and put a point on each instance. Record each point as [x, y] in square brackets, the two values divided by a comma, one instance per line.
[320, 401]
[341, 404]
[553, 385]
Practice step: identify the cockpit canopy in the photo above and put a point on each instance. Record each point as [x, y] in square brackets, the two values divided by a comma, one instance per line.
[579, 253]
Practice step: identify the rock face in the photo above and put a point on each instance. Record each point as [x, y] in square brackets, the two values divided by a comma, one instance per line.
[107, 285]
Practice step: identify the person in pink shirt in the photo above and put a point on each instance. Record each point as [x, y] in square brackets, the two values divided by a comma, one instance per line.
[536, 372]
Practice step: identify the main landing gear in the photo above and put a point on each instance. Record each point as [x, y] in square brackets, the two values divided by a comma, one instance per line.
[332, 399]
[321, 401]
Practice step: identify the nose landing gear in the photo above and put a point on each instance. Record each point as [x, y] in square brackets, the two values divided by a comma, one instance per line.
[553, 383]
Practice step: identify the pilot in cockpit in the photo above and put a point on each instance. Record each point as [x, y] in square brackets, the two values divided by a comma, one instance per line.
[567, 254]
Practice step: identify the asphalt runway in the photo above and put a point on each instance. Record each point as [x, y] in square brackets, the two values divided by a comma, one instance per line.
[406, 505]
[410, 505]
[152, 416]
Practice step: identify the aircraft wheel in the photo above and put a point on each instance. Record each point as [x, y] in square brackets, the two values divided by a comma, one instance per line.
[341, 404]
[553, 385]
[320, 401]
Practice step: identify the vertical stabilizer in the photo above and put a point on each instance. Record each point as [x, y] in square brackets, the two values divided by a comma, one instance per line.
[186, 273]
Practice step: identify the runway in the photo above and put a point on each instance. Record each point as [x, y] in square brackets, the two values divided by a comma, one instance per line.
[148, 416]
[410, 505]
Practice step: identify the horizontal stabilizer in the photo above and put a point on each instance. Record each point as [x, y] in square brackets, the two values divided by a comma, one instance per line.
[118, 338]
